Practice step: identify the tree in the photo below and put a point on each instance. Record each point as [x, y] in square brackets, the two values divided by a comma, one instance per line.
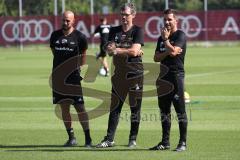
[78, 6]
[46, 7]
[223, 4]
[2, 8]
[35, 7]
[153, 5]
[190, 5]
[99, 4]
[10, 7]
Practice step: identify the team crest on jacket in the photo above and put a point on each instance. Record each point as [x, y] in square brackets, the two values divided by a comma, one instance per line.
[64, 41]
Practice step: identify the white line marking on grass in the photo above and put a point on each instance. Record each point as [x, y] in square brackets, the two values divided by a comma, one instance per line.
[205, 98]
[25, 99]
[209, 73]
[216, 98]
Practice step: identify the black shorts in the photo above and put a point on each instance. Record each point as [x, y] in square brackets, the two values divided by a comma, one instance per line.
[72, 98]
[102, 51]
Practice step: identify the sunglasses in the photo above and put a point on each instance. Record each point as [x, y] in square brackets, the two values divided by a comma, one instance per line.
[125, 14]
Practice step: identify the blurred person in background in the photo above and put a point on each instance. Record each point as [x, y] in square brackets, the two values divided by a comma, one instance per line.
[103, 30]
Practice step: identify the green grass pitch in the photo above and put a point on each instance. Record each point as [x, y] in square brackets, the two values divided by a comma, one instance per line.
[30, 129]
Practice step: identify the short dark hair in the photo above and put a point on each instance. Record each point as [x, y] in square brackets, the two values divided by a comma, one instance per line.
[103, 19]
[171, 11]
[129, 5]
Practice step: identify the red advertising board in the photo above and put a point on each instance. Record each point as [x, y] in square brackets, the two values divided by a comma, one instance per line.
[198, 26]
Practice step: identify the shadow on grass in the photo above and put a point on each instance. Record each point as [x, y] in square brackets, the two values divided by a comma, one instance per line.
[29, 146]
[60, 148]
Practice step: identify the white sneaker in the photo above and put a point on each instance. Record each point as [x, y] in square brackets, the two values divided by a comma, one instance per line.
[105, 143]
[132, 144]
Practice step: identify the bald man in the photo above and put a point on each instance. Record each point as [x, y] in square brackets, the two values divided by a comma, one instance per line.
[69, 47]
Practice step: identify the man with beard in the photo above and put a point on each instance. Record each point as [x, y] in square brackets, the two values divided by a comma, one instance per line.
[69, 45]
[170, 51]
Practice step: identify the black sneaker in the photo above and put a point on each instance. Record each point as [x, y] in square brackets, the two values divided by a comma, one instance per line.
[107, 73]
[182, 146]
[105, 143]
[71, 143]
[132, 143]
[160, 146]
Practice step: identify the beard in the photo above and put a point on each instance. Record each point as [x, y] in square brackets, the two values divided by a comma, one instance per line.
[168, 27]
[65, 27]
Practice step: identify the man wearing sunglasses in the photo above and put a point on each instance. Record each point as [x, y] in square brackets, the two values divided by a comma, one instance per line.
[125, 42]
